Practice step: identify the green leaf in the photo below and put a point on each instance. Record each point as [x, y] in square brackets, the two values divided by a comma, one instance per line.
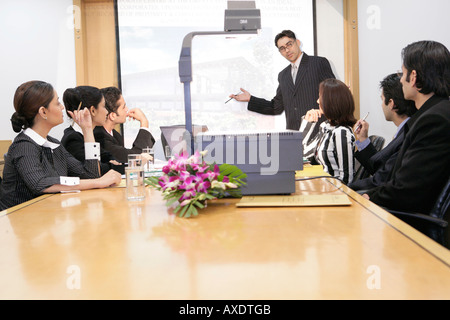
[232, 171]
[199, 204]
[235, 193]
[183, 211]
[171, 201]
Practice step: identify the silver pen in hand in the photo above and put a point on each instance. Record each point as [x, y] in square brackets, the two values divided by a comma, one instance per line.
[360, 125]
[235, 95]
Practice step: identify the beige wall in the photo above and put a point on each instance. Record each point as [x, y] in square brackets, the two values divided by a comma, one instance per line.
[330, 39]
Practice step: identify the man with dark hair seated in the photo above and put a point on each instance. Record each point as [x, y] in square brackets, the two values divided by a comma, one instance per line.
[395, 109]
[422, 166]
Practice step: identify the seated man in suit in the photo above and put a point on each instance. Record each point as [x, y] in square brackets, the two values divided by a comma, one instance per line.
[395, 109]
[110, 139]
[421, 169]
[298, 83]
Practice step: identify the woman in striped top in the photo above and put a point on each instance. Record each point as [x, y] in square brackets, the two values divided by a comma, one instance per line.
[333, 146]
[36, 163]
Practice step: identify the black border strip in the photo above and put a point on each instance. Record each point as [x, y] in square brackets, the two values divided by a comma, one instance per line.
[119, 67]
[314, 5]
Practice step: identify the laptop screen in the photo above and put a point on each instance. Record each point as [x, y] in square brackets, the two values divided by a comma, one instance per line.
[172, 138]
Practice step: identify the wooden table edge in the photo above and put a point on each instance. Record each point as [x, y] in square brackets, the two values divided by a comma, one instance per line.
[431, 246]
[24, 204]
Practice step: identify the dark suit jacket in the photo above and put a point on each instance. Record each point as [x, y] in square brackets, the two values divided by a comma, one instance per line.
[31, 168]
[295, 100]
[422, 166]
[73, 142]
[378, 164]
[115, 143]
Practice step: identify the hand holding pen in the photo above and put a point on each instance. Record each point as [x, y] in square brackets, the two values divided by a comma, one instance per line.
[362, 129]
[242, 96]
[360, 123]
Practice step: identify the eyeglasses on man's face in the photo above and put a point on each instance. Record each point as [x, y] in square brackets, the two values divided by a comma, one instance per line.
[287, 46]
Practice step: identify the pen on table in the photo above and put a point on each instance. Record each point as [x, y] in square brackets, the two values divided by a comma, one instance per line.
[364, 119]
[235, 95]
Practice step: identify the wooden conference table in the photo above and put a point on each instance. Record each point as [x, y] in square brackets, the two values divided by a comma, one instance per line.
[97, 245]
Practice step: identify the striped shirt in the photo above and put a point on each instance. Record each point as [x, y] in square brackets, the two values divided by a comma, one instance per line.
[332, 147]
[32, 166]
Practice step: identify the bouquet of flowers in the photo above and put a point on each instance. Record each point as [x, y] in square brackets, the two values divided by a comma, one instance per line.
[191, 182]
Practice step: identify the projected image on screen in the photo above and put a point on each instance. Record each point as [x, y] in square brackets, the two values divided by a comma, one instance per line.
[151, 35]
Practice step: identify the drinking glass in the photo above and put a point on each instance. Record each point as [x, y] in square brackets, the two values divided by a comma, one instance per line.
[134, 173]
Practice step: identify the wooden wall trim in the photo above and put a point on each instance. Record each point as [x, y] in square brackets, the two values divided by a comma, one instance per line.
[80, 36]
[351, 47]
[95, 43]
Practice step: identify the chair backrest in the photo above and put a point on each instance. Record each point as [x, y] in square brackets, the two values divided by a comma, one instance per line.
[435, 224]
[4, 146]
[360, 171]
[377, 141]
[442, 205]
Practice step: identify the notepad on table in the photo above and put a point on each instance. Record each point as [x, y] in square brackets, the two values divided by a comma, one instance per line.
[295, 201]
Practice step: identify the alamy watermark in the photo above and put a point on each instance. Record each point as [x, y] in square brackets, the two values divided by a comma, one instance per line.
[374, 280]
[374, 19]
[261, 150]
[73, 281]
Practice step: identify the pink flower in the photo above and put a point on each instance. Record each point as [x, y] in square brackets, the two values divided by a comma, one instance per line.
[203, 186]
[188, 183]
[171, 166]
[195, 158]
[187, 195]
[184, 175]
[199, 167]
[166, 169]
[168, 182]
[185, 202]
[212, 175]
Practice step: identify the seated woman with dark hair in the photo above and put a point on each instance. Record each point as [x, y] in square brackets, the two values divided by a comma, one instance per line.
[90, 99]
[110, 139]
[332, 146]
[36, 163]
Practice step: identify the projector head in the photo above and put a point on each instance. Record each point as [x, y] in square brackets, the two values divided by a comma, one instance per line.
[242, 15]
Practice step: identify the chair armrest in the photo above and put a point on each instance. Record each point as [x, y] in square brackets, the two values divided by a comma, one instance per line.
[438, 221]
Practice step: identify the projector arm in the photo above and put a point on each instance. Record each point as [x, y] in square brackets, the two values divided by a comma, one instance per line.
[185, 72]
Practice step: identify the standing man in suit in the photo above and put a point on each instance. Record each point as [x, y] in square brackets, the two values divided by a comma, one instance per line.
[298, 83]
[396, 109]
[110, 139]
[422, 166]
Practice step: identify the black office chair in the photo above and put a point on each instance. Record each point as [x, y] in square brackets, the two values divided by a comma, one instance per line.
[435, 224]
[360, 171]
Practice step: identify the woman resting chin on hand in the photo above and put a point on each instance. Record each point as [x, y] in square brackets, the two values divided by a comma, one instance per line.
[36, 163]
[332, 146]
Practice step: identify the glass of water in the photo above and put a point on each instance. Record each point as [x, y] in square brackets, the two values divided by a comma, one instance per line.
[150, 165]
[134, 173]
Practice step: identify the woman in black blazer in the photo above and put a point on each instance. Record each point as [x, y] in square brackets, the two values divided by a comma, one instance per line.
[90, 99]
[37, 163]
